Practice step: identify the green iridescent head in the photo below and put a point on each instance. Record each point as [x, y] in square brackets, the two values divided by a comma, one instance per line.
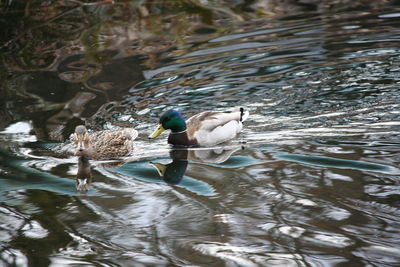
[170, 120]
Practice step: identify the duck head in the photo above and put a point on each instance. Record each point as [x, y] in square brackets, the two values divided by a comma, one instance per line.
[81, 139]
[170, 120]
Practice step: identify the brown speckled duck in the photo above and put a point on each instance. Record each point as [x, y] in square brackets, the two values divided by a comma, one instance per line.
[108, 144]
[207, 128]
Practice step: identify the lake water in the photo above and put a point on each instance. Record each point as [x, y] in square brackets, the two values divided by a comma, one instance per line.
[313, 180]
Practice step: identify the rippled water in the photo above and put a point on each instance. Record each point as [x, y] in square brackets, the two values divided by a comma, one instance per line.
[312, 181]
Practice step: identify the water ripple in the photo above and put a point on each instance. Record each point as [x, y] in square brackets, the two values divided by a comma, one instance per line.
[336, 163]
[313, 182]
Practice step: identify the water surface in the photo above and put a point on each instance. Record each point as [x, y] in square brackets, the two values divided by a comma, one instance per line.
[313, 180]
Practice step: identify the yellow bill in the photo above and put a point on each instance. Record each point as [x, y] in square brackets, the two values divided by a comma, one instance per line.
[161, 168]
[157, 132]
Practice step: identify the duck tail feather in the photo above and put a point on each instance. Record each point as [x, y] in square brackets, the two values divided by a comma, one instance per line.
[243, 114]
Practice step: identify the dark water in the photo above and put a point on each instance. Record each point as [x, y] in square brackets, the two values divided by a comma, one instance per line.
[316, 182]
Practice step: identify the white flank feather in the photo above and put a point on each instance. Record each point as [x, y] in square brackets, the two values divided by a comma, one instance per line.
[217, 127]
[218, 119]
[245, 115]
[220, 134]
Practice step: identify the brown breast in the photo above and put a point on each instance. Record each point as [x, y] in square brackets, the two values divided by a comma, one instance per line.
[181, 139]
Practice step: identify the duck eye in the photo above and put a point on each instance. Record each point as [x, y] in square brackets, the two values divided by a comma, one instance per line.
[167, 119]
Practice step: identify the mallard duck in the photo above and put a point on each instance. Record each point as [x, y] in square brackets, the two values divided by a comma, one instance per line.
[108, 144]
[207, 128]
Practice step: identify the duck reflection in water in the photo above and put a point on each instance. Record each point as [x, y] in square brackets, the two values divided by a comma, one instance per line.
[84, 175]
[172, 173]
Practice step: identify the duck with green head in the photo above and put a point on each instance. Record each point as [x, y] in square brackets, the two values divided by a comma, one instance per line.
[207, 128]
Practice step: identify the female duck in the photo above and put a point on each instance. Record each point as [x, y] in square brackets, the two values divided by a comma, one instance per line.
[208, 128]
[108, 144]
